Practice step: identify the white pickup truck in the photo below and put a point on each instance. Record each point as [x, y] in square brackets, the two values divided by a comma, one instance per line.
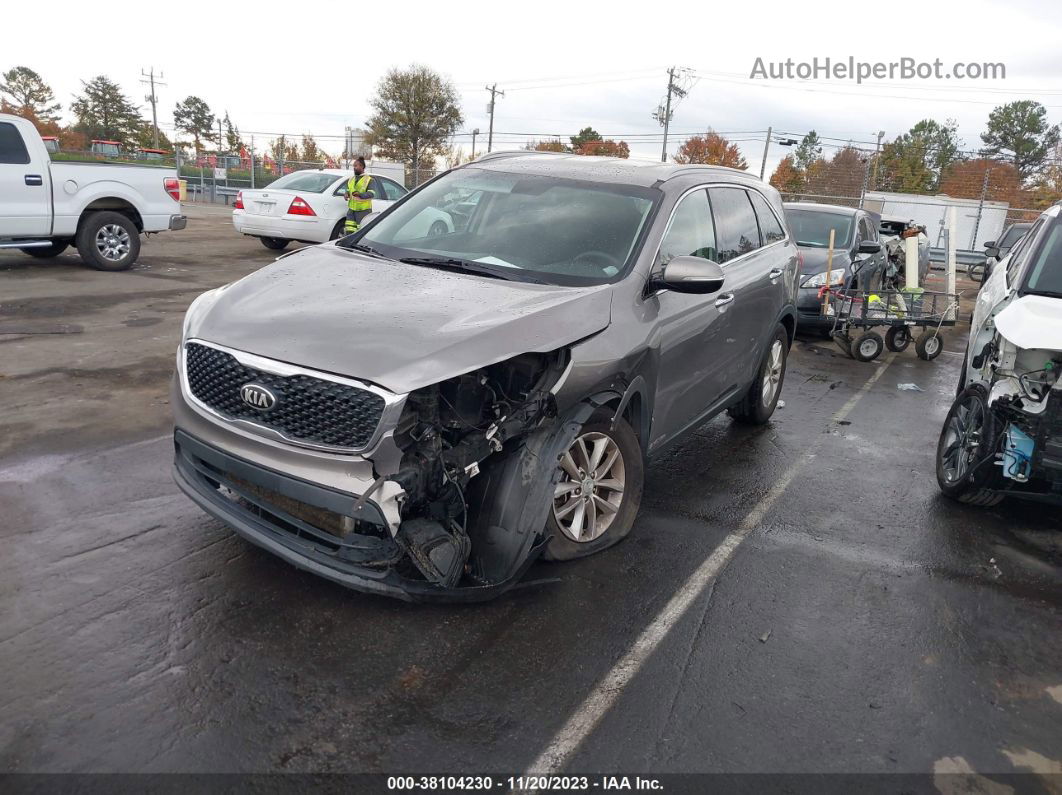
[102, 208]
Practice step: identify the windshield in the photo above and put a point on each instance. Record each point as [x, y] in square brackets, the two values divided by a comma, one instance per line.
[306, 181]
[1045, 275]
[540, 228]
[812, 228]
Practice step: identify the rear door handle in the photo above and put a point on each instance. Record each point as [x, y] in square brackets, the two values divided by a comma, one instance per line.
[775, 273]
[34, 179]
[724, 299]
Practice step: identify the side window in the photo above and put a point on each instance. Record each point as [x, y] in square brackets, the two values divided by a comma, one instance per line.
[770, 230]
[1020, 253]
[12, 147]
[736, 230]
[691, 233]
[341, 188]
[392, 191]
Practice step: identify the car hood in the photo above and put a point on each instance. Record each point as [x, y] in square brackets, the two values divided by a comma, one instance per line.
[1032, 322]
[399, 326]
[815, 260]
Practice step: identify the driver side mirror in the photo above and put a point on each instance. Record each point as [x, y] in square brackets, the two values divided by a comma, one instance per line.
[869, 247]
[990, 244]
[689, 275]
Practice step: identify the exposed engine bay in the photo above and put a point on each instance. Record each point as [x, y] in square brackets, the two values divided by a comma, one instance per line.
[447, 433]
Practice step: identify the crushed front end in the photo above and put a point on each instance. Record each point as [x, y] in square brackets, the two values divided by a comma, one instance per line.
[440, 493]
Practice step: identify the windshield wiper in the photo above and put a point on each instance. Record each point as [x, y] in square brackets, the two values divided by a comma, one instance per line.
[465, 266]
[364, 249]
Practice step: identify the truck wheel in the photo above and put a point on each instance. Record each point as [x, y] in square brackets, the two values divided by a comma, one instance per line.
[966, 469]
[47, 252]
[760, 401]
[274, 243]
[599, 492]
[929, 345]
[108, 241]
[868, 347]
[897, 339]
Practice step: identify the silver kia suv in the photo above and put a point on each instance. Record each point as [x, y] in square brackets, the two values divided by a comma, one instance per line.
[423, 416]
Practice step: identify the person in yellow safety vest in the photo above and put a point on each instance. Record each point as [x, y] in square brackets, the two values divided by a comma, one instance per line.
[359, 197]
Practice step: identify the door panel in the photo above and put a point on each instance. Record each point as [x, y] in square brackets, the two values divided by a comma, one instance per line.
[25, 197]
[747, 279]
[690, 327]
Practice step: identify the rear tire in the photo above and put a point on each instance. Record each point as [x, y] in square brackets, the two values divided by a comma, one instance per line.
[571, 500]
[929, 345]
[108, 241]
[47, 252]
[337, 230]
[967, 441]
[897, 339]
[868, 347]
[274, 243]
[761, 400]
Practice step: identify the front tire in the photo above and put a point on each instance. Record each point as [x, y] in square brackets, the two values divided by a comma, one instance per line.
[108, 241]
[760, 401]
[274, 243]
[47, 252]
[600, 489]
[965, 467]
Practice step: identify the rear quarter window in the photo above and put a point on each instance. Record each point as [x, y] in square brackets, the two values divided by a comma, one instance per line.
[12, 147]
[770, 230]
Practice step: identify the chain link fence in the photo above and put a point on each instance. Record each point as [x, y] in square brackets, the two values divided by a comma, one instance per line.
[987, 195]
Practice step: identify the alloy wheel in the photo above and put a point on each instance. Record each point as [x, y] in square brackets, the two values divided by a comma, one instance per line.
[590, 492]
[772, 376]
[112, 241]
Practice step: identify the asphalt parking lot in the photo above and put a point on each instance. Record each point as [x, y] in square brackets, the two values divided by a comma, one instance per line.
[858, 622]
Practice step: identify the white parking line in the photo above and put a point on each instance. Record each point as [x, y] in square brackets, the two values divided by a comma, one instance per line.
[609, 688]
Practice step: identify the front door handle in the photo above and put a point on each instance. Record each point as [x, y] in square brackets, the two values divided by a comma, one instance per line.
[34, 179]
[775, 273]
[724, 299]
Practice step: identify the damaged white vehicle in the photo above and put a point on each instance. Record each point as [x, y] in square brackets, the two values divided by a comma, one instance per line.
[1003, 435]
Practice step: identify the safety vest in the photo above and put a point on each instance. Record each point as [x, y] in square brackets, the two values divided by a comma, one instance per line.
[359, 185]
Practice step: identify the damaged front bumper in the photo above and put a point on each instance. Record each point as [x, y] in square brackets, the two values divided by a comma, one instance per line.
[288, 516]
[333, 516]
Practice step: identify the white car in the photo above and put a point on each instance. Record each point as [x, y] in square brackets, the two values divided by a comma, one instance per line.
[309, 206]
[1003, 434]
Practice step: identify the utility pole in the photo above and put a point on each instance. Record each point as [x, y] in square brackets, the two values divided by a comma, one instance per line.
[766, 146]
[667, 111]
[475, 132]
[153, 99]
[490, 109]
[877, 148]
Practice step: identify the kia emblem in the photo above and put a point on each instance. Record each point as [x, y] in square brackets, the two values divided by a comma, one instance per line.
[258, 397]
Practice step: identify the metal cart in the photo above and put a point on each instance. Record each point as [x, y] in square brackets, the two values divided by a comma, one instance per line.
[857, 312]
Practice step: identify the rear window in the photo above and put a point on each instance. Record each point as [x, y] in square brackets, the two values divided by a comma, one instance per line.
[308, 181]
[12, 147]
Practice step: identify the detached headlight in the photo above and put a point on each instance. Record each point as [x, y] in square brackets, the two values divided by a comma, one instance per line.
[819, 279]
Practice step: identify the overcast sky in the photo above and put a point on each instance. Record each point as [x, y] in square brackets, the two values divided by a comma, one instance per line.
[311, 67]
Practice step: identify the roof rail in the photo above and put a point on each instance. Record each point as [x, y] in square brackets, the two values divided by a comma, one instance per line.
[503, 155]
